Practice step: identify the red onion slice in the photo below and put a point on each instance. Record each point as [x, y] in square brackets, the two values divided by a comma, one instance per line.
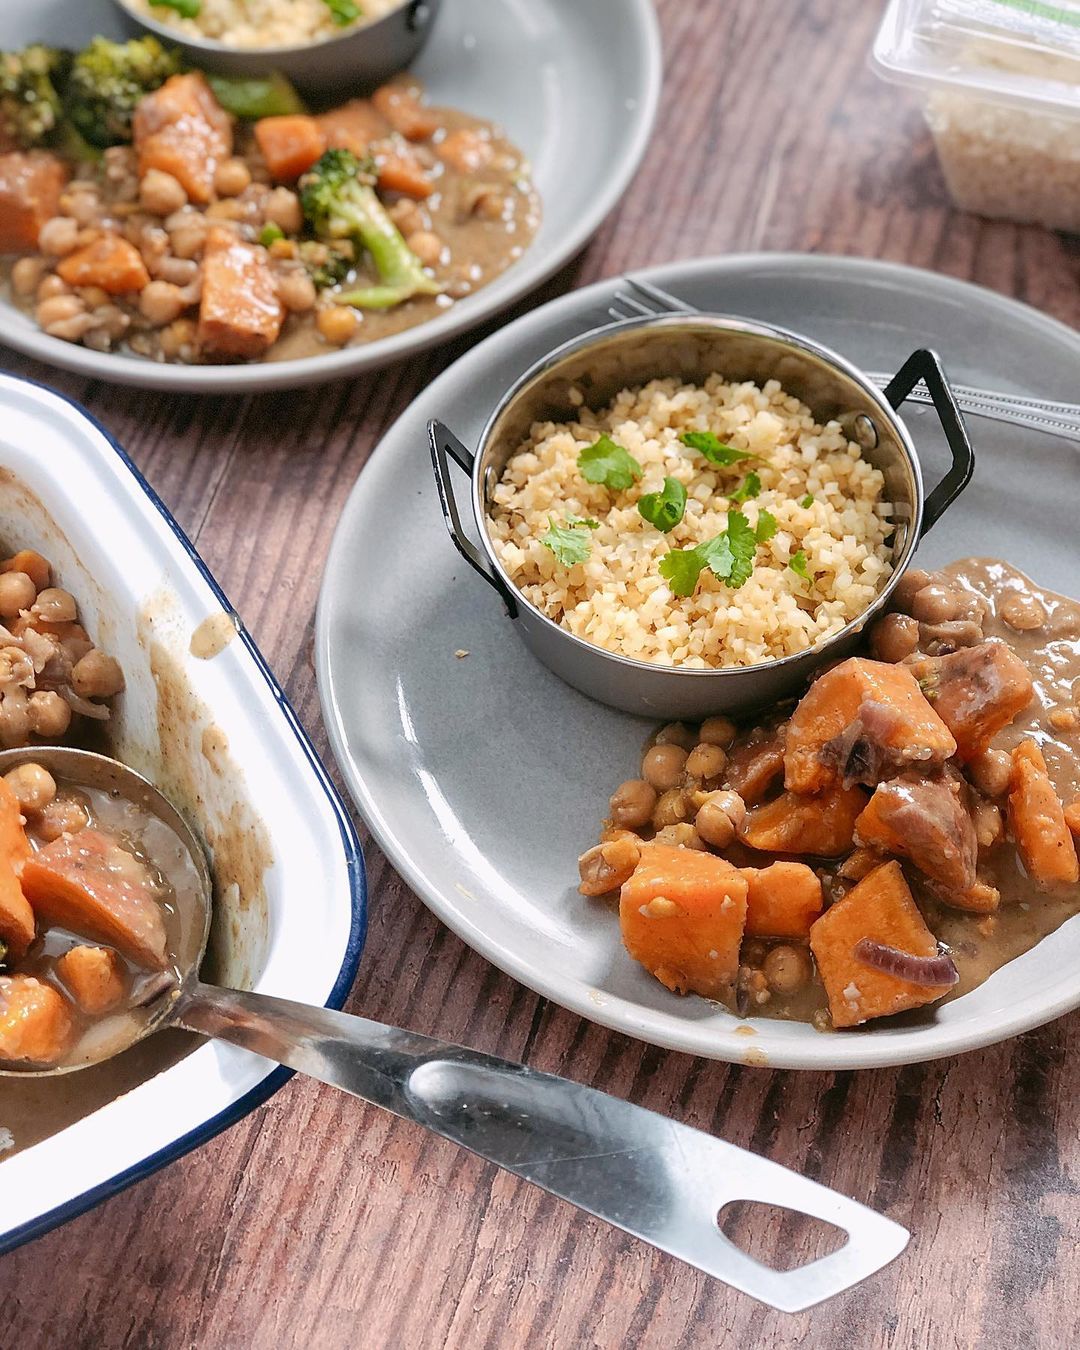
[931, 971]
[84, 706]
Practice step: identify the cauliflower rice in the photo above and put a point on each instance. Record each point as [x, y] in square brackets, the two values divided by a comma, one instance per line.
[263, 23]
[617, 599]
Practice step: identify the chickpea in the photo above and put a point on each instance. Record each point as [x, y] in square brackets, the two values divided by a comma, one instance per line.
[989, 824]
[409, 217]
[25, 275]
[605, 867]
[859, 864]
[282, 208]
[937, 603]
[717, 731]
[178, 340]
[720, 817]
[682, 835]
[337, 324]
[160, 193]
[706, 761]
[490, 206]
[66, 814]
[63, 316]
[34, 786]
[59, 236]
[427, 246]
[51, 286]
[787, 969]
[226, 208]
[161, 302]
[296, 290]
[990, 771]
[1023, 613]
[631, 804]
[283, 248]
[97, 675]
[894, 637]
[180, 271]
[677, 733]
[48, 714]
[55, 606]
[81, 203]
[671, 809]
[231, 177]
[909, 585]
[17, 592]
[187, 233]
[663, 766]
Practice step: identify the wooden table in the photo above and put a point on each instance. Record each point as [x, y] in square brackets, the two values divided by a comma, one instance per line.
[317, 1222]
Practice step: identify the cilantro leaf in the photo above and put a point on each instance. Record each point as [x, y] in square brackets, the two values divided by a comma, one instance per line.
[608, 463]
[749, 488]
[799, 567]
[570, 543]
[343, 11]
[707, 443]
[729, 555]
[808, 500]
[664, 509]
[766, 527]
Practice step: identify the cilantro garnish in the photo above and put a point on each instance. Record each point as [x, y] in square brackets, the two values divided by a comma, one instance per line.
[766, 527]
[343, 11]
[749, 488]
[808, 500]
[608, 463]
[707, 443]
[799, 567]
[270, 234]
[728, 555]
[187, 9]
[570, 542]
[664, 509]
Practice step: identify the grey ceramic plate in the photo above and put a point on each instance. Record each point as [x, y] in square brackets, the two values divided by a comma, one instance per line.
[484, 777]
[572, 84]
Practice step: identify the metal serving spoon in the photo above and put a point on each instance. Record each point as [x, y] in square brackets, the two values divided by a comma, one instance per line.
[658, 1180]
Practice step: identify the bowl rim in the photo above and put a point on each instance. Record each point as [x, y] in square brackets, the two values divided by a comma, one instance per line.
[215, 47]
[356, 873]
[595, 337]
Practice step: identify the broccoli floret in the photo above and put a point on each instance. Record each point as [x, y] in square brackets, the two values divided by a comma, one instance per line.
[328, 263]
[339, 202]
[30, 107]
[107, 81]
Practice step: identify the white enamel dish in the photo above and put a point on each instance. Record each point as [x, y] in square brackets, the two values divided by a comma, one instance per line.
[483, 777]
[219, 736]
[572, 84]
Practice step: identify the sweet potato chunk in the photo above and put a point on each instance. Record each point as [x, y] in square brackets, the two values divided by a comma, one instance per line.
[95, 978]
[16, 916]
[353, 126]
[30, 188]
[289, 145]
[782, 900]
[399, 104]
[466, 150]
[87, 883]
[1072, 817]
[682, 915]
[880, 908]
[35, 1021]
[109, 262]
[182, 129]
[860, 722]
[1037, 820]
[405, 174]
[240, 313]
[927, 821]
[791, 823]
[976, 691]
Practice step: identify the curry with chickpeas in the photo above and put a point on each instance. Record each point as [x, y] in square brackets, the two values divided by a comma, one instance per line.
[888, 841]
[181, 231]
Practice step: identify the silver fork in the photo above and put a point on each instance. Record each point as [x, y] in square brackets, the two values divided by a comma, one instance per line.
[636, 299]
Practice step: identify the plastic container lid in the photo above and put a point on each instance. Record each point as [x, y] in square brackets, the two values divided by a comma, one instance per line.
[1008, 51]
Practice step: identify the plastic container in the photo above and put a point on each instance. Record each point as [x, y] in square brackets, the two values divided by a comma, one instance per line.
[1000, 83]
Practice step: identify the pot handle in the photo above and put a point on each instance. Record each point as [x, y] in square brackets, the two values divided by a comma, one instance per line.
[926, 365]
[443, 444]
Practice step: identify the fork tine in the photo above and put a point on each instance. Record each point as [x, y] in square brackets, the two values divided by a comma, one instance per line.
[661, 301]
[625, 306]
[643, 300]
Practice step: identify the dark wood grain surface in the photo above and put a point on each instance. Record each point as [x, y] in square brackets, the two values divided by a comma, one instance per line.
[317, 1222]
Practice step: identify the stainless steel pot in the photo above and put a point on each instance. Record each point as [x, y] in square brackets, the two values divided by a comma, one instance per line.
[691, 347]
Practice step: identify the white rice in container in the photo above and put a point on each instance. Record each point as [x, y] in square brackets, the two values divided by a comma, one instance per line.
[263, 23]
[618, 599]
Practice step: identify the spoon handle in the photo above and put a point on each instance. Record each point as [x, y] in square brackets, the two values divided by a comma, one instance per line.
[650, 1176]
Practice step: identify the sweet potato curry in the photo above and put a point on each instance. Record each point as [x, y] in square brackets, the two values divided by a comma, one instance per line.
[182, 217]
[890, 840]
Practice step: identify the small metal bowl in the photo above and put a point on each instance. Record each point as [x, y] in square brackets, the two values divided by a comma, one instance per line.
[354, 63]
[691, 347]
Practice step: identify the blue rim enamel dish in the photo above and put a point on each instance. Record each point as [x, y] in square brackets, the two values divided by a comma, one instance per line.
[218, 734]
